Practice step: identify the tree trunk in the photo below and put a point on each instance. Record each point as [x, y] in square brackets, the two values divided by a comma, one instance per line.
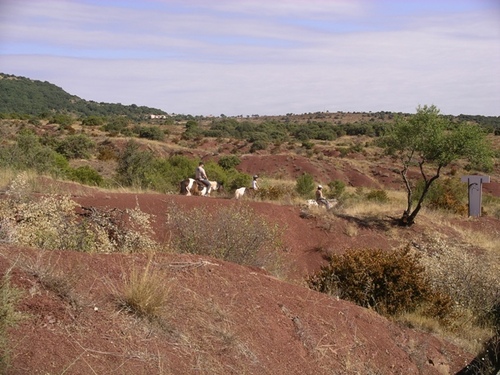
[408, 218]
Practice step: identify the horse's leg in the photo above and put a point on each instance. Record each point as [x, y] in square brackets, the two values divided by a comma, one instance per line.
[190, 186]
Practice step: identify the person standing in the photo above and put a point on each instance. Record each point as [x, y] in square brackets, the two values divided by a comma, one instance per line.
[255, 184]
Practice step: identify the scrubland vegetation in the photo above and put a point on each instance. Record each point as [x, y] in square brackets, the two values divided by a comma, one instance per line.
[446, 285]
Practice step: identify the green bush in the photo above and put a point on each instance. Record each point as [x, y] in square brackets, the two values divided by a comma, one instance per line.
[378, 196]
[135, 167]
[116, 125]
[308, 145]
[93, 121]
[78, 146]
[229, 161]
[305, 185]
[236, 180]
[259, 144]
[86, 175]
[28, 153]
[61, 119]
[151, 132]
[390, 282]
[337, 189]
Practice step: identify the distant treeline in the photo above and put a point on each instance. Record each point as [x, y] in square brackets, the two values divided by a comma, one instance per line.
[24, 98]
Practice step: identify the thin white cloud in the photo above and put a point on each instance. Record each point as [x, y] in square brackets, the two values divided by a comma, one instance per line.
[246, 57]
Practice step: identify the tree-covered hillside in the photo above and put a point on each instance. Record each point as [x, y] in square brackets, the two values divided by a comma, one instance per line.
[31, 97]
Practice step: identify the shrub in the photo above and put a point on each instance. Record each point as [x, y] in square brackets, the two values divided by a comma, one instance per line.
[61, 119]
[471, 281]
[113, 230]
[234, 234]
[77, 146]
[135, 166]
[93, 121]
[237, 180]
[51, 222]
[447, 194]
[390, 282]
[106, 151]
[275, 192]
[229, 161]
[151, 132]
[116, 125]
[86, 175]
[305, 185]
[308, 145]
[378, 196]
[259, 144]
[337, 189]
[30, 154]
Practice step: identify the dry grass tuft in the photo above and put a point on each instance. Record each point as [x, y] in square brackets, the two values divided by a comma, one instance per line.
[145, 292]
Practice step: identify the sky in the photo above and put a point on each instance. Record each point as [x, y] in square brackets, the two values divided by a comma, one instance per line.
[265, 57]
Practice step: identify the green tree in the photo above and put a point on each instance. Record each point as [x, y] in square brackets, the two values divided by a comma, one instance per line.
[431, 142]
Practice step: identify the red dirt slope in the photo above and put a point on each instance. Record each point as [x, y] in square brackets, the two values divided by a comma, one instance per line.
[221, 318]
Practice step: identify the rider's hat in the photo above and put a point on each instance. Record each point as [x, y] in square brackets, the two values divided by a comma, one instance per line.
[320, 187]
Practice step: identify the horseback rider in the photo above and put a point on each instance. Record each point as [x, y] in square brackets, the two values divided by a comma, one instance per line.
[255, 185]
[201, 176]
[320, 199]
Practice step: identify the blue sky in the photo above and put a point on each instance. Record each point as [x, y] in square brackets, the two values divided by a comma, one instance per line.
[261, 57]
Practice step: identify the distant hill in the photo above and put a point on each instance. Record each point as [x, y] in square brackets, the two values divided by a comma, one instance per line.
[31, 97]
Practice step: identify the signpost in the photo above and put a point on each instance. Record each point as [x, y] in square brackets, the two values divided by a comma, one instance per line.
[474, 184]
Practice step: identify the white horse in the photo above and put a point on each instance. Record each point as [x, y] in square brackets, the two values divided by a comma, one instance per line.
[238, 193]
[310, 203]
[190, 186]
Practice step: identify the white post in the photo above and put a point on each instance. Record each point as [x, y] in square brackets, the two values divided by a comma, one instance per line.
[474, 184]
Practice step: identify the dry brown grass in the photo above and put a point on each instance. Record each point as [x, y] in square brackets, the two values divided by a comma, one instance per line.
[145, 292]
